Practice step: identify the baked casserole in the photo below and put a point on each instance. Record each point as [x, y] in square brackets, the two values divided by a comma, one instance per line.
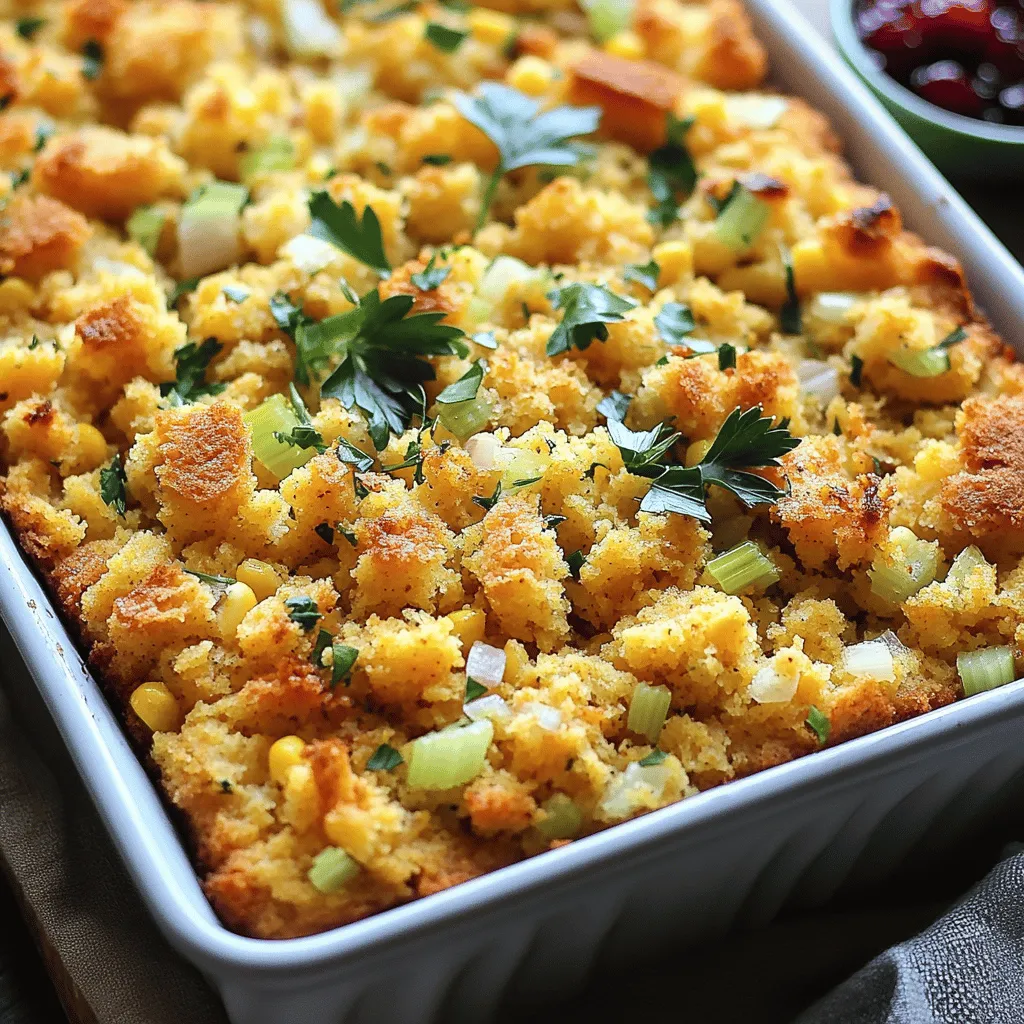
[453, 430]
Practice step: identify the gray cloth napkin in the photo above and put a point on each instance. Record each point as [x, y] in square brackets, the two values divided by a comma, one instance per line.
[967, 968]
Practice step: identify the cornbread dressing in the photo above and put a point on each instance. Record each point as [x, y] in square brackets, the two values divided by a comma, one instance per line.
[288, 647]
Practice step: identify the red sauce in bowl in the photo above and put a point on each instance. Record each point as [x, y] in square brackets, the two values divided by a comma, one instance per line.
[966, 56]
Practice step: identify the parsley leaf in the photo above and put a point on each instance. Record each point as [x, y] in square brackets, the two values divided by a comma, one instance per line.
[383, 369]
[474, 689]
[466, 387]
[523, 134]
[92, 60]
[113, 489]
[211, 580]
[654, 757]
[325, 532]
[644, 274]
[437, 159]
[789, 316]
[190, 284]
[304, 611]
[486, 339]
[353, 456]
[28, 27]
[727, 356]
[671, 173]
[304, 434]
[235, 293]
[674, 322]
[856, 370]
[340, 225]
[191, 362]
[819, 722]
[488, 503]
[323, 641]
[553, 521]
[642, 450]
[446, 39]
[614, 406]
[384, 759]
[343, 658]
[586, 309]
[954, 337]
[430, 278]
[575, 561]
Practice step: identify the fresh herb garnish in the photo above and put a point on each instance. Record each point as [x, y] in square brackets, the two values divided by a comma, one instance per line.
[190, 284]
[353, 456]
[191, 362]
[674, 322]
[304, 434]
[614, 406]
[437, 159]
[488, 503]
[384, 759]
[235, 292]
[304, 611]
[671, 173]
[113, 486]
[430, 277]
[819, 722]
[654, 757]
[954, 337]
[325, 532]
[642, 450]
[466, 387]
[28, 27]
[212, 580]
[474, 689]
[413, 460]
[727, 356]
[349, 536]
[486, 339]
[789, 315]
[524, 136]
[92, 60]
[340, 225]
[383, 365]
[395, 12]
[589, 474]
[575, 561]
[586, 309]
[324, 639]
[644, 274]
[343, 658]
[836, 429]
[446, 39]
[856, 370]
[550, 522]
[43, 132]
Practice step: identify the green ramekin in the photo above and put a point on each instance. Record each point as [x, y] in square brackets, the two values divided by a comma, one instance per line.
[959, 146]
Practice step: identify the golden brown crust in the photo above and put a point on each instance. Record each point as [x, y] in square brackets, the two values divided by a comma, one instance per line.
[38, 235]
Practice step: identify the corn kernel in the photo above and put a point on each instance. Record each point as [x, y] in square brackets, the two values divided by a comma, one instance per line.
[627, 45]
[260, 578]
[517, 661]
[469, 624]
[697, 451]
[92, 445]
[675, 260]
[530, 75]
[490, 26]
[284, 755]
[237, 602]
[156, 706]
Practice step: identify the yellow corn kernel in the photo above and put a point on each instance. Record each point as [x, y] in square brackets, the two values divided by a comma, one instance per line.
[92, 445]
[237, 602]
[697, 451]
[156, 706]
[627, 45]
[284, 755]
[675, 260]
[517, 661]
[469, 624]
[490, 26]
[260, 578]
[530, 75]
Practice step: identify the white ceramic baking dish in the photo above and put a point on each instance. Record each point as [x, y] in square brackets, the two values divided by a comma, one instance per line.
[730, 856]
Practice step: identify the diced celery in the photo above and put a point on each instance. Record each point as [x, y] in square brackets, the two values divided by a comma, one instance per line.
[927, 362]
[276, 415]
[985, 669]
[278, 154]
[608, 17]
[464, 419]
[332, 868]
[562, 818]
[743, 566]
[741, 219]
[145, 226]
[647, 710]
[909, 565]
[504, 272]
[963, 565]
[524, 467]
[452, 757]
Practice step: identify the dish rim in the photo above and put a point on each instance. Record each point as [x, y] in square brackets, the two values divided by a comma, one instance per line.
[847, 38]
[153, 850]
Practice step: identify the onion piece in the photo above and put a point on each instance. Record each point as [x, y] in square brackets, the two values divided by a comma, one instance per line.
[483, 450]
[309, 254]
[833, 307]
[208, 228]
[871, 659]
[639, 786]
[770, 687]
[819, 379]
[492, 707]
[485, 664]
[548, 718]
[756, 111]
[308, 32]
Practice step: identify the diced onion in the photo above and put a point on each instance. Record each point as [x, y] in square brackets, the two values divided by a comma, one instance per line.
[208, 229]
[483, 450]
[819, 379]
[639, 786]
[562, 818]
[464, 419]
[964, 565]
[833, 307]
[743, 566]
[276, 415]
[490, 707]
[452, 757]
[354, 83]
[332, 868]
[548, 718]
[145, 226]
[485, 664]
[648, 708]
[985, 669]
[909, 564]
[927, 362]
[608, 17]
[308, 32]
[893, 642]
[870, 659]
[740, 221]
[771, 687]
[309, 254]
[522, 464]
[756, 111]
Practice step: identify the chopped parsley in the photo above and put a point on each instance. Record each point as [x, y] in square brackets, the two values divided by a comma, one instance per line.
[466, 387]
[431, 277]
[674, 322]
[341, 226]
[304, 611]
[819, 723]
[789, 316]
[488, 503]
[523, 134]
[212, 580]
[343, 658]
[28, 27]
[575, 561]
[552, 521]
[113, 486]
[437, 159]
[384, 759]
[474, 689]
[325, 532]
[191, 362]
[654, 757]
[446, 39]
[727, 356]
[485, 339]
[303, 434]
[353, 456]
[643, 274]
[323, 640]
[614, 406]
[92, 60]
[671, 172]
[586, 310]
[856, 370]
[235, 292]
[190, 284]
